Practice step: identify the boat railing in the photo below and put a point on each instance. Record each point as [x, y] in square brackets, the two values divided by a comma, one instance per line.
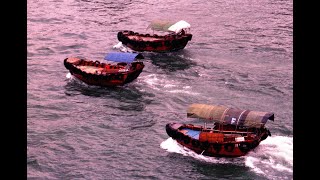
[226, 132]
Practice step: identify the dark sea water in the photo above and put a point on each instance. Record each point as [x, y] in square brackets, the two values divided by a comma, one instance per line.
[240, 56]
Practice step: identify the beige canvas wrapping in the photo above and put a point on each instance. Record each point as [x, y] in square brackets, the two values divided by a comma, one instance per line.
[220, 114]
[204, 111]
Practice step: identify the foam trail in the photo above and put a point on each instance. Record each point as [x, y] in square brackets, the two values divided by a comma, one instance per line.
[161, 82]
[69, 76]
[275, 154]
[272, 157]
[122, 47]
[173, 146]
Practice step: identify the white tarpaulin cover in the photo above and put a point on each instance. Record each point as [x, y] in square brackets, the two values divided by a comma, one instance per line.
[177, 27]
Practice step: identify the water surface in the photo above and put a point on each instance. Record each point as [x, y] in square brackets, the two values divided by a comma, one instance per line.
[240, 55]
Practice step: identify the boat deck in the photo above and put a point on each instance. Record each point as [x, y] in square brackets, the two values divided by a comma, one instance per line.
[94, 69]
[227, 134]
[144, 38]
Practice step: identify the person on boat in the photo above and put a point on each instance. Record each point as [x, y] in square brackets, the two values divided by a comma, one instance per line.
[183, 32]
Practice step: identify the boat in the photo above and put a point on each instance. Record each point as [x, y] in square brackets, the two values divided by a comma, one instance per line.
[226, 132]
[120, 68]
[176, 36]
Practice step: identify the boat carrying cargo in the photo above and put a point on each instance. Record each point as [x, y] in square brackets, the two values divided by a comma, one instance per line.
[121, 68]
[176, 37]
[227, 132]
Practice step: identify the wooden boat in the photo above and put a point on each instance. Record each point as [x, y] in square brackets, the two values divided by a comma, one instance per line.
[122, 68]
[233, 132]
[176, 37]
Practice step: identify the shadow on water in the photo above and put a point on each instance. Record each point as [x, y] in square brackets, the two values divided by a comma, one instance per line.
[171, 61]
[124, 97]
[223, 171]
[213, 167]
[232, 168]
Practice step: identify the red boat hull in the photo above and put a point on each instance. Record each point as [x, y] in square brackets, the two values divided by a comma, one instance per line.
[102, 74]
[221, 146]
[154, 43]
